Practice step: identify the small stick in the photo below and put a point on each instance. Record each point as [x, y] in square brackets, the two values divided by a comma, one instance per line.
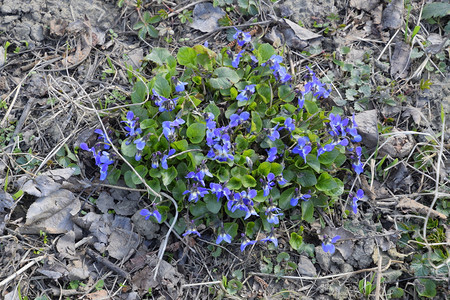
[200, 283]
[17, 89]
[107, 263]
[377, 287]
[21, 270]
[327, 276]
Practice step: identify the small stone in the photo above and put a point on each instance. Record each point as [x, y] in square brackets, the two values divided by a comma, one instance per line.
[306, 267]
[367, 127]
[22, 32]
[145, 227]
[323, 258]
[9, 19]
[391, 276]
[37, 33]
[8, 8]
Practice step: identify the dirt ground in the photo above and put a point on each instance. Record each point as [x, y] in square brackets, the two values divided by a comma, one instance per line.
[62, 59]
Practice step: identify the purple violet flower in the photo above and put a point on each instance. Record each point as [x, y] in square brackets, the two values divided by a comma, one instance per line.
[179, 85]
[328, 245]
[131, 129]
[236, 119]
[242, 37]
[246, 93]
[237, 59]
[164, 104]
[272, 133]
[299, 196]
[271, 154]
[245, 242]
[191, 229]
[165, 157]
[359, 196]
[303, 147]
[145, 212]
[358, 167]
[272, 213]
[102, 136]
[223, 236]
[195, 192]
[169, 128]
[267, 183]
[271, 238]
[289, 124]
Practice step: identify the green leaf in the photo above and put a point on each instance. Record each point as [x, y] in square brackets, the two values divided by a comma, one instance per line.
[308, 211]
[155, 173]
[265, 92]
[350, 94]
[142, 171]
[196, 132]
[159, 56]
[265, 52]
[313, 162]
[234, 183]
[241, 143]
[306, 178]
[139, 92]
[311, 107]
[250, 228]
[415, 31]
[339, 190]
[155, 185]
[435, 10]
[283, 256]
[114, 176]
[286, 93]
[256, 122]
[285, 198]
[151, 19]
[187, 57]
[264, 168]
[395, 292]
[325, 182]
[223, 174]
[328, 157]
[231, 228]
[148, 123]
[128, 150]
[276, 169]
[295, 241]
[248, 181]
[161, 86]
[180, 146]
[212, 204]
[198, 209]
[426, 288]
[178, 190]
[224, 78]
[212, 108]
[152, 31]
[128, 179]
[169, 175]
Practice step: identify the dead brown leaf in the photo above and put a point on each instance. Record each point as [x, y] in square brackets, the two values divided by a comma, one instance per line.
[98, 295]
[392, 17]
[52, 213]
[414, 206]
[367, 5]
[400, 61]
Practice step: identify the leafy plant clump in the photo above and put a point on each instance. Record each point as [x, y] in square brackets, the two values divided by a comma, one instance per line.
[231, 143]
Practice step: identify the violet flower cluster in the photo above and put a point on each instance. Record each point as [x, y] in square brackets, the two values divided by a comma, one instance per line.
[220, 141]
[103, 159]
